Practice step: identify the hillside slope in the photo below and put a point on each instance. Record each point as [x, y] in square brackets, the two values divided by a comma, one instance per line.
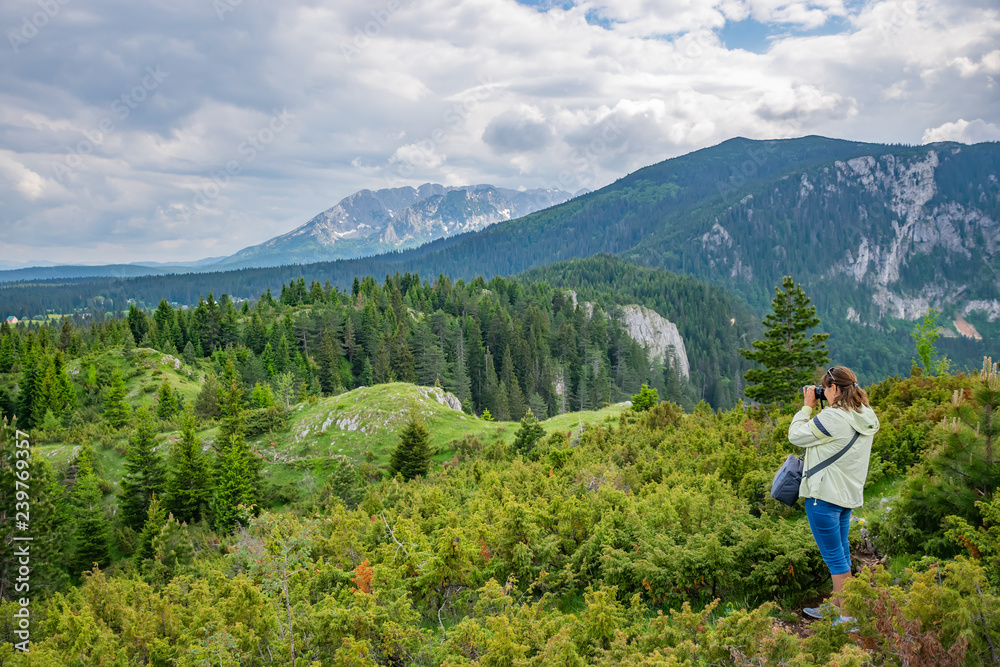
[326, 432]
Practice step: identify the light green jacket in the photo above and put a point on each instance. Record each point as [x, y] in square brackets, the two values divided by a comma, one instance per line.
[823, 435]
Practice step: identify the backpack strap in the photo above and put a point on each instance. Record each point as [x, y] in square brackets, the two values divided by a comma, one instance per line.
[816, 468]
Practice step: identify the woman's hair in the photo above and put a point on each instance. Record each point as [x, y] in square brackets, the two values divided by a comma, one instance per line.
[852, 396]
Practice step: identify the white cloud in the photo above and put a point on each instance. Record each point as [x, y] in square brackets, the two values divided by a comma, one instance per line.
[963, 131]
[454, 91]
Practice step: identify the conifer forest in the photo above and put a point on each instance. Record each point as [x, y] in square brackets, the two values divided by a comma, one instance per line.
[417, 472]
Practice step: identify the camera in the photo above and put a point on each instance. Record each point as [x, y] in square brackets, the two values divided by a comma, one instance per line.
[820, 393]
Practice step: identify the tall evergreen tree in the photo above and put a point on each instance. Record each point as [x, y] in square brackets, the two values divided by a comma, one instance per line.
[431, 363]
[459, 382]
[412, 456]
[787, 357]
[328, 360]
[144, 474]
[234, 485]
[401, 356]
[189, 477]
[491, 387]
[8, 356]
[91, 543]
[138, 324]
[516, 405]
[238, 469]
[167, 402]
[29, 385]
[116, 409]
[156, 516]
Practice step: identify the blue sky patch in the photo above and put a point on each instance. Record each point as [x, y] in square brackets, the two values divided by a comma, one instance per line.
[756, 37]
[546, 5]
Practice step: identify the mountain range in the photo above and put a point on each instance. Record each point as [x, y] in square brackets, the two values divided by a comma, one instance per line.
[372, 222]
[876, 233]
[368, 222]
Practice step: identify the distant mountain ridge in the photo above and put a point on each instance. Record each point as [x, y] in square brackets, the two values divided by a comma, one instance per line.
[877, 234]
[366, 223]
[372, 222]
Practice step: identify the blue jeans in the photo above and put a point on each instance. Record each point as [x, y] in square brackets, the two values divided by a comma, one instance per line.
[830, 525]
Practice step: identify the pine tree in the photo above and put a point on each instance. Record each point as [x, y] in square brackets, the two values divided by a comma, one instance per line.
[233, 417]
[189, 354]
[7, 354]
[29, 385]
[367, 378]
[144, 474]
[206, 404]
[491, 387]
[262, 396]
[646, 399]
[515, 397]
[283, 360]
[156, 516]
[328, 360]
[234, 485]
[381, 368]
[238, 469]
[172, 549]
[459, 383]
[91, 544]
[116, 409]
[412, 456]
[267, 358]
[401, 357]
[960, 472]
[167, 403]
[430, 357]
[164, 318]
[528, 433]
[138, 323]
[787, 357]
[188, 488]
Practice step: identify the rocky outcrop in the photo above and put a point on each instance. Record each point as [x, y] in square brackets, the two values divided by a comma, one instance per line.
[658, 335]
[990, 308]
[654, 332]
[914, 222]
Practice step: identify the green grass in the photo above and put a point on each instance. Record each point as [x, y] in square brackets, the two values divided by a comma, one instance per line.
[321, 432]
[144, 371]
[370, 419]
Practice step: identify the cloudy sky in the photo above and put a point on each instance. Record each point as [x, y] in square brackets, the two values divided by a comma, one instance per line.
[165, 130]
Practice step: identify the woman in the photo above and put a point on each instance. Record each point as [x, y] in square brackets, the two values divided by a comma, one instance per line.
[832, 492]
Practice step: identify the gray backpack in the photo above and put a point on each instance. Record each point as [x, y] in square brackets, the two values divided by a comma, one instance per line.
[785, 487]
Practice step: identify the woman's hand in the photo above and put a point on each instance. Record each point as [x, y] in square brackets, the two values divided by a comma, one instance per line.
[809, 396]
